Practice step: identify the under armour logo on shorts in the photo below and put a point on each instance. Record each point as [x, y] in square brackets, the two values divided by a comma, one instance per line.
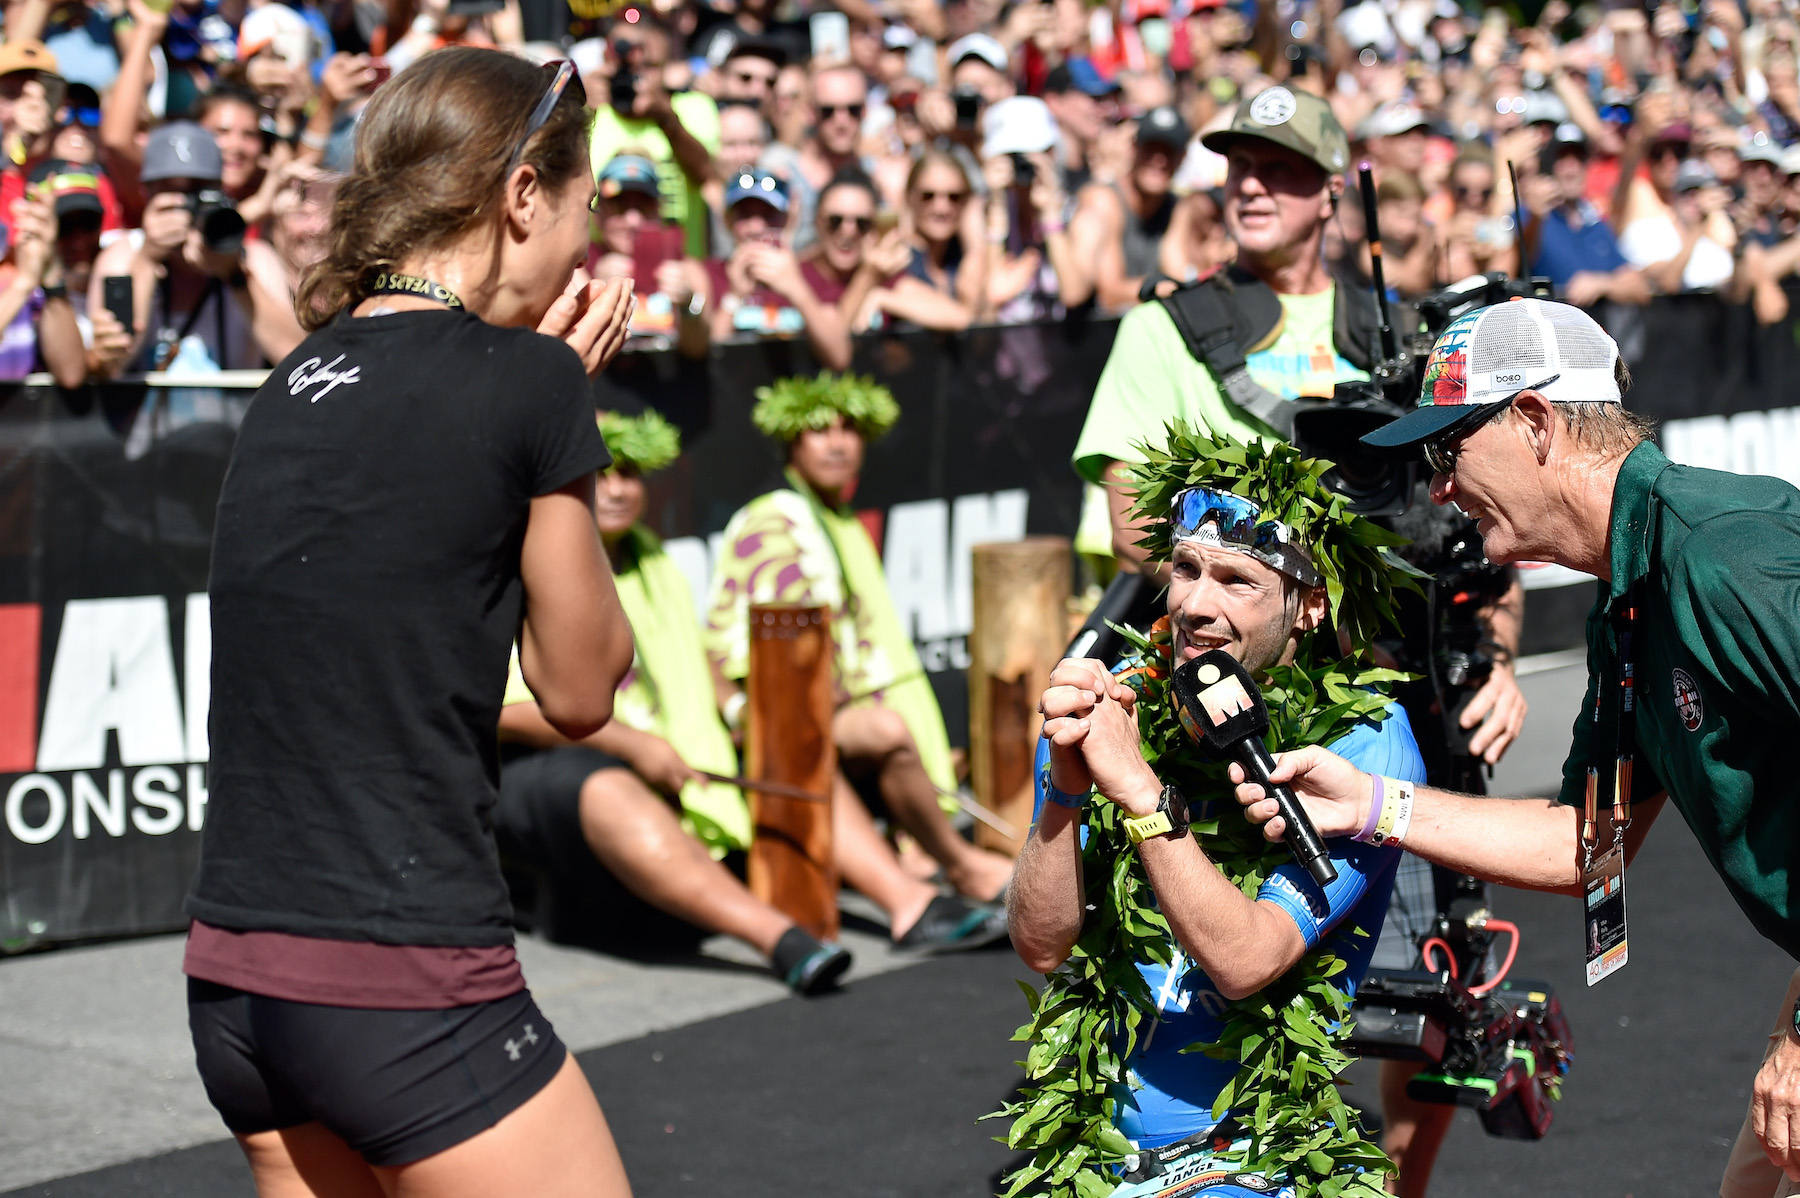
[516, 1048]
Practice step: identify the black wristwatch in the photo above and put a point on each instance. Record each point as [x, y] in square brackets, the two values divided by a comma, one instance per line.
[1169, 819]
[56, 291]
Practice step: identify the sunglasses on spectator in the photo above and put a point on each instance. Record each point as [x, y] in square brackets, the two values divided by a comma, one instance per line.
[760, 80]
[1474, 193]
[932, 197]
[827, 111]
[837, 220]
[1668, 148]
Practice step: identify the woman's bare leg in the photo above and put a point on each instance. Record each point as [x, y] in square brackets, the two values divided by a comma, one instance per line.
[555, 1146]
[878, 735]
[307, 1162]
[638, 837]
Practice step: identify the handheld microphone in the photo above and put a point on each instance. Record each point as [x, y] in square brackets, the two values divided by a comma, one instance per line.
[1223, 711]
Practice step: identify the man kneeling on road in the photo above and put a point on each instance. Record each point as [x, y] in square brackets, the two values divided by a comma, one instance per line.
[1693, 638]
[1256, 587]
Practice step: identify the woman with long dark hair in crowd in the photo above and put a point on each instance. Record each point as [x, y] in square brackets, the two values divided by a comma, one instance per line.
[412, 489]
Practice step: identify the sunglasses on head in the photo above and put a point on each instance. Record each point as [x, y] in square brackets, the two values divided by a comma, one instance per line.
[559, 83]
[1228, 521]
[1441, 452]
[838, 220]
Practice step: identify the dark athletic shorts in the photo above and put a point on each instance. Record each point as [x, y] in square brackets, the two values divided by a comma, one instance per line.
[397, 1086]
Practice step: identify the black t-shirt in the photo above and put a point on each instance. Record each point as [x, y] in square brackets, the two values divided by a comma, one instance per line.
[365, 595]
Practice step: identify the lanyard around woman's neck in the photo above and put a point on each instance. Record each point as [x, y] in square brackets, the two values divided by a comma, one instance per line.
[393, 282]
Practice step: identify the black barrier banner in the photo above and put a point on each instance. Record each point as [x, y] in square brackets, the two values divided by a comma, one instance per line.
[107, 499]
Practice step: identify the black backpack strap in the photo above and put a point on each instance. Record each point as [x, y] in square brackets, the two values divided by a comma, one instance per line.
[1215, 325]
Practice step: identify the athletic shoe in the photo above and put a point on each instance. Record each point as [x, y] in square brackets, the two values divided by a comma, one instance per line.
[954, 925]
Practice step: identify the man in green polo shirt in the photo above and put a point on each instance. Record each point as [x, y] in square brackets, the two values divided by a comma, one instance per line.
[1522, 422]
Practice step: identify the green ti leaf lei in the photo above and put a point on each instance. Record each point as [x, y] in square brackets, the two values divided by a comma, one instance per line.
[1289, 1037]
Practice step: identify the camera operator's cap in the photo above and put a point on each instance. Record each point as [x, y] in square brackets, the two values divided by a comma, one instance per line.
[1298, 120]
[181, 150]
[755, 185]
[26, 55]
[1163, 127]
[1487, 357]
[983, 46]
[75, 186]
[1391, 120]
[1018, 125]
[628, 172]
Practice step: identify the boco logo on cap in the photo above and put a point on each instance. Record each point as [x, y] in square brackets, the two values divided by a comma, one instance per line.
[1273, 106]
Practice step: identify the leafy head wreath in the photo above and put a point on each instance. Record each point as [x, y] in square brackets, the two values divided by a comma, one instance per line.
[646, 442]
[1354, 555]
[791, 406]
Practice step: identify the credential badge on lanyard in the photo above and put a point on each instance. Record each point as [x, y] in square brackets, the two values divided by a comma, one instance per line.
[1603, 879]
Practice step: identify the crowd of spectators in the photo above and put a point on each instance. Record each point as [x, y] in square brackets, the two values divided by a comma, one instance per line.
[796, 170]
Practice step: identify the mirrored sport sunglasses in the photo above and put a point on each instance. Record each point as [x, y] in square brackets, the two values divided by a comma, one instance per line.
[1441, 451]
[1230, 521]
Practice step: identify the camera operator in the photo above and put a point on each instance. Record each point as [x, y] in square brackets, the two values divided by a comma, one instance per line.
[1692, 637]
[193, 296]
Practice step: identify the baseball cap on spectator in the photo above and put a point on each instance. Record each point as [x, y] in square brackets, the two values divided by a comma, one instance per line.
[277, 27]
[1163, 126]
[628, 172]
[1485, 358]
[1760, 149]
[26, 55]
[1790, 161]
[1692, 175]
[1018, 125]
[982, 46]
[1679, 133]
[75, 186]
[1298, 120]
[181, 150]
[1366, 25]
[1078, 75]
[1391, 120]
[898, 37]
[755, 185]
[1544, 108]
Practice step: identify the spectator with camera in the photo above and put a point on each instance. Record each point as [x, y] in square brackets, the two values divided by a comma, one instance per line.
[760, 290]
[633, 110]
[1565, 238]
[1677, 252]
[37, 323]
[75, 192]
[31, 97]
[1117, 229]
[194, 300]
[1083, 103]
[1479, 238]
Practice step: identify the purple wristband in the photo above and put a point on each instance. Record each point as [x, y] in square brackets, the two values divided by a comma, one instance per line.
[1375, 805]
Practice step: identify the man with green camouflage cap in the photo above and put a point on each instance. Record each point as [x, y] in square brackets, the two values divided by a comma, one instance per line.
[1287, 155]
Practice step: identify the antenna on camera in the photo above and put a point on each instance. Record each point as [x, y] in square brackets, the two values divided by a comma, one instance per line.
[1389, 364]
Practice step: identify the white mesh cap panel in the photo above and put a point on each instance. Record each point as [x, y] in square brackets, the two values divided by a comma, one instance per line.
[1519, 344]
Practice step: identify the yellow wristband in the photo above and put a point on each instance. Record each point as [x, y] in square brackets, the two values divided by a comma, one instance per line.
[1142, 828]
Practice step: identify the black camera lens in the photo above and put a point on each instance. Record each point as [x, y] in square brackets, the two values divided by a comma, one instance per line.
[221, 228]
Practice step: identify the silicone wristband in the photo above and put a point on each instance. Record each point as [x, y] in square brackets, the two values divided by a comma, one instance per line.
[1063, 798]
[1375, 798]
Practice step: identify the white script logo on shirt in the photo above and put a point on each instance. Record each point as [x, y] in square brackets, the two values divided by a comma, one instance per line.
[310, 372]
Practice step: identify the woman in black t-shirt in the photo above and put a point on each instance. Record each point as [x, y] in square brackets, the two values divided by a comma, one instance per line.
[411, 490]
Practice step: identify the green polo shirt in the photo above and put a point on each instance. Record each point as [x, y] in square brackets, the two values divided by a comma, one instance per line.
[1718, 669]
[1151, 379]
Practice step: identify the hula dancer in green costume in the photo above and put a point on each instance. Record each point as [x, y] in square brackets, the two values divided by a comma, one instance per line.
[1200, 979]
[596, 816]
[802, 544]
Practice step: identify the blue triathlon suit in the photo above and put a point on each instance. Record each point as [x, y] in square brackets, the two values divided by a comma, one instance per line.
[1176, 1091]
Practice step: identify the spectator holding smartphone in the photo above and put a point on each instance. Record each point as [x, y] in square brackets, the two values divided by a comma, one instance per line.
[1034, 274]
[671, 290]
[75, 193]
